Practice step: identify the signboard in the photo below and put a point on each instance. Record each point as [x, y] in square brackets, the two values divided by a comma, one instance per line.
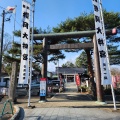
[43, 87]
[77, 78]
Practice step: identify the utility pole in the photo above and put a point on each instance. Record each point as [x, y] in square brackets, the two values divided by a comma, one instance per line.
[1, 41]
[14, 25]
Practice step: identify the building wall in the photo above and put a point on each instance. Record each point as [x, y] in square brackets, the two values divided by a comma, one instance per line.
[69, 77]
[4, 81]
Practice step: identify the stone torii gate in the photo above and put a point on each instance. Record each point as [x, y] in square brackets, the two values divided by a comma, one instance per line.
[85, 46]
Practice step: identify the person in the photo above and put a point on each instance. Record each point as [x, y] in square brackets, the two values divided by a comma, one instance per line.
[65, 80]
[61, 77]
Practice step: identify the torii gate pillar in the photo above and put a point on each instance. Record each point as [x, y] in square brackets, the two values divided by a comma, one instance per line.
[97, 71]
[44, 66]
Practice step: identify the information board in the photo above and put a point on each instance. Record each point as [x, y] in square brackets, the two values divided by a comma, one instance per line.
[42, 86]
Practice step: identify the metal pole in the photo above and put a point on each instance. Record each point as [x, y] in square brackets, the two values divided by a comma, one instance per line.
[14, 23]
[102, 20]
[31, 52]
[58, 68]
[14, 29]
[1, 40]
[113, 95]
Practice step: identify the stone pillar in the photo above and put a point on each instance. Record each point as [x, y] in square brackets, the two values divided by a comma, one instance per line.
[13, 82]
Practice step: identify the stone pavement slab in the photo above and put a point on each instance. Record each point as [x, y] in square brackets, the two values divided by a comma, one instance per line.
[69, 105]
[68, 110]
[70, 114]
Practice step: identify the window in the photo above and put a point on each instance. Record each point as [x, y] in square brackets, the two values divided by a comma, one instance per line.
[5, 79]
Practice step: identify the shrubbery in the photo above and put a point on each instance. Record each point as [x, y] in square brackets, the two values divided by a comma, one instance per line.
[108, 91]
[83, 89]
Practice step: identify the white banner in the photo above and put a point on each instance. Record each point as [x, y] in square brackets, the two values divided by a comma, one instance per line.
[101, 43]
[25, 40]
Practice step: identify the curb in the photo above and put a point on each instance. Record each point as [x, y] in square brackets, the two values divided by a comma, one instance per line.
[17, 113]
[112, 110]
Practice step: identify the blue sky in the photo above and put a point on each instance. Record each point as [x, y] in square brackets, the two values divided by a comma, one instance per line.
[52, 12]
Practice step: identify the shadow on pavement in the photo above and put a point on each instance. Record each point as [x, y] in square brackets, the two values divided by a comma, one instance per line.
[22, 114]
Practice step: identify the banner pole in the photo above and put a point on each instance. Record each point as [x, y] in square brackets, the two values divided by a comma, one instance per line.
[31, 52]
[113, 95]
[104, 35]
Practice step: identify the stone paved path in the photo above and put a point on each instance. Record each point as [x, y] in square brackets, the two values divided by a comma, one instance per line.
[70, 114]
[69, 105]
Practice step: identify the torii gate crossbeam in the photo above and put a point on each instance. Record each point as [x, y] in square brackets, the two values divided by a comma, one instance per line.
[78, 34]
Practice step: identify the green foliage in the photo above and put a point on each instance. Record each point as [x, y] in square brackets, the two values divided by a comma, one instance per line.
[68, 64]
[108, 91]
[38, 47]
[37, 67]
[81, 60]
[17, 33]
[13, 54]
[111, 19]
[80, 23]
[115, 71]
[85, 22]
[83, 88]
[8, 69]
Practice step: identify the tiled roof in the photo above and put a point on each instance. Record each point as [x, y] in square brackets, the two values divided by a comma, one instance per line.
[69, 70]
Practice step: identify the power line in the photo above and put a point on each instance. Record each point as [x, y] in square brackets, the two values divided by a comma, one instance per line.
[2, 7]
[16, 20]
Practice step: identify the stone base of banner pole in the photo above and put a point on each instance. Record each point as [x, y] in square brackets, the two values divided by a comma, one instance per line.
[100, 103]
[42, 99]
[30, 107]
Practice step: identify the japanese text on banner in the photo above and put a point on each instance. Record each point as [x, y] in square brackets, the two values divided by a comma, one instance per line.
[25, 40]
[101, 43]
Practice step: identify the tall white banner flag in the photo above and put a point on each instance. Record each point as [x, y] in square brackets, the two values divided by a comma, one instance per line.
[25, 40]
[101, 43]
